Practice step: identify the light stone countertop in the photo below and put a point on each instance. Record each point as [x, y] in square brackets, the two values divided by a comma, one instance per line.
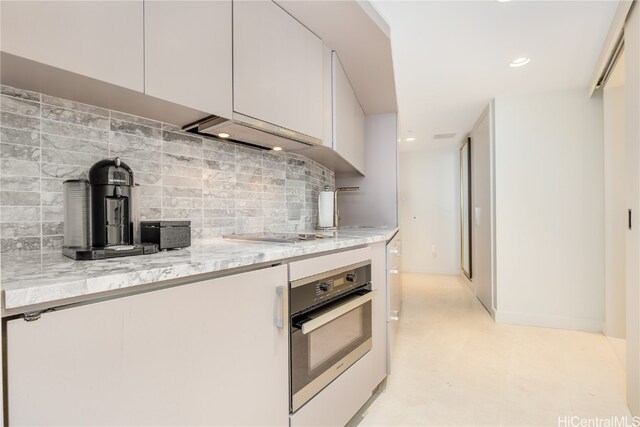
[30, 278]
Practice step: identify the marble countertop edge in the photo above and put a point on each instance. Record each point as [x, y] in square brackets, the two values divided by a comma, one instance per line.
[44, 278]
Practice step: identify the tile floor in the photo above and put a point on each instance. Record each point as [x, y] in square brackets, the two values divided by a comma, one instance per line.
[454, 366]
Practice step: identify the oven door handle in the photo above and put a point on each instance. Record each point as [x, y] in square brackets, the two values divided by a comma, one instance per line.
[313, 324]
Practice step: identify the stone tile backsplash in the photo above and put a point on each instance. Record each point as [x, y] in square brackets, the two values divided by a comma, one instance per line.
[219, 186]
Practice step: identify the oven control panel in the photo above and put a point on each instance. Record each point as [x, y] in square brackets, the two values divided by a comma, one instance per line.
[329, 288]
[310, 292]
[324, 287]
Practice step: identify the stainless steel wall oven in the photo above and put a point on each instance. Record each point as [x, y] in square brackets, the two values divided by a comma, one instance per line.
[330, 328]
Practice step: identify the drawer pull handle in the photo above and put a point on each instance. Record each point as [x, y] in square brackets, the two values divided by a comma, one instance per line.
[278, 318]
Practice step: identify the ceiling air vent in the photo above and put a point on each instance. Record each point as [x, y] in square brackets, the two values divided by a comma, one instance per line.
[444, 135]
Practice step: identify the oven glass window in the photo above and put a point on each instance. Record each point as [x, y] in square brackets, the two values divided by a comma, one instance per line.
[334, 337]
[319, 351]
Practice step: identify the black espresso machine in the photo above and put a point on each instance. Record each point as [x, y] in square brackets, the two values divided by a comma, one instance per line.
[102, 215]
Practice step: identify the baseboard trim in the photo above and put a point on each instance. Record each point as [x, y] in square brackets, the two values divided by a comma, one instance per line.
[556, 322]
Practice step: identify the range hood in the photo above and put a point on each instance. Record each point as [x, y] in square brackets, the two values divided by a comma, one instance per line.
[251, 131]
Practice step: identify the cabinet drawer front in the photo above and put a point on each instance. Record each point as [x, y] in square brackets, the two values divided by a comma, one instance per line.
[277, 68]
[343, 397]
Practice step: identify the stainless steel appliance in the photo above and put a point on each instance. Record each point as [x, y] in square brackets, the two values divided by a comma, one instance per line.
[330, 328]
[251, 131]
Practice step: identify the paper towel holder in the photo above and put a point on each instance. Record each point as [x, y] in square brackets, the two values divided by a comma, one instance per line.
[336, 213]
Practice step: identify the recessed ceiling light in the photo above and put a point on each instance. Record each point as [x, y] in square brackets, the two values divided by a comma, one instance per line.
[410, 139]
[276, 148]
[223, 135]
[520, 62]
[503, 1]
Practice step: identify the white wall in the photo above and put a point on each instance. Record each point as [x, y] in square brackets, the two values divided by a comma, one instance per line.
[549, 210]
[430, 210]
[632, 153]
[377, 201]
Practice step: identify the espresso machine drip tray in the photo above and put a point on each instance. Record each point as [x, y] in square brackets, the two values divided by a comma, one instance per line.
[121, 248]
[86, 254]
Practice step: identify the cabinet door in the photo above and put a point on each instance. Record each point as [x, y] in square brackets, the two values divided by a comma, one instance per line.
[379, 313]
[348, 121]
[277, 68]
[98, 39]
[327, 92]
[188, 53]
[205, 353]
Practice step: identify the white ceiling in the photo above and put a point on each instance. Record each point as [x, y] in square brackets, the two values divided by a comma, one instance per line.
[452, 57]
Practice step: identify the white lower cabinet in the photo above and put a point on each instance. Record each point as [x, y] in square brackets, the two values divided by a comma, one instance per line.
[379, 329]
[204, 353]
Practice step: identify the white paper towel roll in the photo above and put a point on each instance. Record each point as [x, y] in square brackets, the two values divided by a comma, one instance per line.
[325, 209]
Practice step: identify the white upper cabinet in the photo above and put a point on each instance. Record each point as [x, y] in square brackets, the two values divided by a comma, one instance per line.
[327, 89]
[348, 119]
[188, 53]
[277, 68]
[98, 39]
